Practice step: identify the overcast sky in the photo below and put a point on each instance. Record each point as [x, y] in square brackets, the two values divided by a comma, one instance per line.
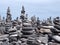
[41, 8]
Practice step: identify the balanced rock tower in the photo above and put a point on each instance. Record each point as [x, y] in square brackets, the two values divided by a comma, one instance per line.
[27, 29]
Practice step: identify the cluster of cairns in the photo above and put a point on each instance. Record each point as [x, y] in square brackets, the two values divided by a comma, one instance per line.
[23, 31]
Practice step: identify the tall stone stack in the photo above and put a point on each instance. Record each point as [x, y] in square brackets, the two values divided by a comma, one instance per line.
[56, 32]
[27, 29]
[8, 21]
